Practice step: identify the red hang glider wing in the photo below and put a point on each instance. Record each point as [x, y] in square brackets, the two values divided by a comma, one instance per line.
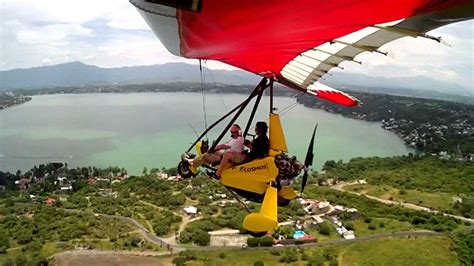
[297, 41]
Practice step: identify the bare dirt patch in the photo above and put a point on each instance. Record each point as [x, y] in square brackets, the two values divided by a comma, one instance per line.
[92, 258]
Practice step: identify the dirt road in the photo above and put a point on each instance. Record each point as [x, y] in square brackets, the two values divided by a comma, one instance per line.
[340, 187]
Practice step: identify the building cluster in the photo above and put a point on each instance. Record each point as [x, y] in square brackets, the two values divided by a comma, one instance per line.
[8, 99]
[316, 210]
[419, 136]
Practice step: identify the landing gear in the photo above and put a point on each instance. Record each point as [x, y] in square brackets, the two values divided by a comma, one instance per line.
[184, 171]
[257, 234]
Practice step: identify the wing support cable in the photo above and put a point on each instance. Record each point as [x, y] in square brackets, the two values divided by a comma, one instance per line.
[203, 95]
[239, 109]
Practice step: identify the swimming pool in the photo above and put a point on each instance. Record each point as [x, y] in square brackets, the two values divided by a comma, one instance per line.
[298, 234]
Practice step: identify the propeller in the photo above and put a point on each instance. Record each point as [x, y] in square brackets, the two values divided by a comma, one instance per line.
[308, 161]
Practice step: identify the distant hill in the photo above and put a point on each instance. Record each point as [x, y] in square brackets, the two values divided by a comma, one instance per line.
[77, 74]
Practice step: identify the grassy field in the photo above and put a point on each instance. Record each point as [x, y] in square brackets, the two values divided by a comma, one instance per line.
[390, 251]
[407, 251]
[438, 200]
[382, 225]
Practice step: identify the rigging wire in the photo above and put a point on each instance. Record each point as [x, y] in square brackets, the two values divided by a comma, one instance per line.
[203, 95]
[214, 81]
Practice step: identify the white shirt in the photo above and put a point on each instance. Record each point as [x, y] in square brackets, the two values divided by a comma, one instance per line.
[237, 144]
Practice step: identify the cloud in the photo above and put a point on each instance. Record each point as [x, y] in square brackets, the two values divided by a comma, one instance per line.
[412, 57]
[111, 33]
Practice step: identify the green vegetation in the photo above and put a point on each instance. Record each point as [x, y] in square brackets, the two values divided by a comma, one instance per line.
[394, 251]
[427, 179]
[31, 229]
[375, 209]
[431, 125]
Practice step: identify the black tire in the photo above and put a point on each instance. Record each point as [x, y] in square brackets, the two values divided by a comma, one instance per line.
[184, 171]
[257, 234]
[282, 202]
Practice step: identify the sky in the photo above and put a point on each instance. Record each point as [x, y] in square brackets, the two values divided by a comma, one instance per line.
[111, 33]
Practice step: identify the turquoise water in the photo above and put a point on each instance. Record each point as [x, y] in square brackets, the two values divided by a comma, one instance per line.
[298, 234]
[153, 129]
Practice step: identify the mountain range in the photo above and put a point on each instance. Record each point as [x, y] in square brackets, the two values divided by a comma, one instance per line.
[78, 74]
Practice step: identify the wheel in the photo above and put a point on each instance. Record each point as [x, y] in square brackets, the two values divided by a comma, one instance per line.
[257, 234]
[282, 202]
[184, 171]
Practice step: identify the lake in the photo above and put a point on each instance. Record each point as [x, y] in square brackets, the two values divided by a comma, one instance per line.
[153, 129]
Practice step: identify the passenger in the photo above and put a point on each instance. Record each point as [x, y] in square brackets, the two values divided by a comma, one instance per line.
[234, 149]
[258, 149]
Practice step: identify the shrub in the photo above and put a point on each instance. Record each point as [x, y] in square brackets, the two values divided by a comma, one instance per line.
[275, 252]
[253, 242]
[266, 241]
[324, 228]
[179, 261]
[188, 255]
[367, 220]
[372, 226]
[290, 255]
[258, 263]
[222, 255]
[349, 225]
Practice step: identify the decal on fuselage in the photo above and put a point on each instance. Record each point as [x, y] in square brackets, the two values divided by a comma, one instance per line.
[253, 168]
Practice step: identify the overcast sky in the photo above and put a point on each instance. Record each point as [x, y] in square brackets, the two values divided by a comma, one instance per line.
[111, 33]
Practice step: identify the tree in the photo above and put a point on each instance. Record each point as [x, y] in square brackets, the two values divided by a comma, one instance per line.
[21, 260]
[4, 241]
[266, 241]
[201, 238]
[9, 262]
[316, 260]
[253, 242]
[324, 228]
[144, 171]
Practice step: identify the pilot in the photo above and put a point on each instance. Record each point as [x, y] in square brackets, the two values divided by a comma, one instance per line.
[231, 150]
[258, 149]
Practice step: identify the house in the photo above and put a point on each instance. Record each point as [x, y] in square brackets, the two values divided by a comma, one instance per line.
[91, 181]
[32, 197]
[339, 208]
[22, 183]
[351, 210]
[191, 210]
[50, 201]
[222, 196]
[66, 188]
[62, 198]
[317, 219]
[348, 235]
[341, 230]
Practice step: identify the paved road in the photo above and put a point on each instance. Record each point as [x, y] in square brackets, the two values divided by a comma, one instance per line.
[162, 241]
[340, 186]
